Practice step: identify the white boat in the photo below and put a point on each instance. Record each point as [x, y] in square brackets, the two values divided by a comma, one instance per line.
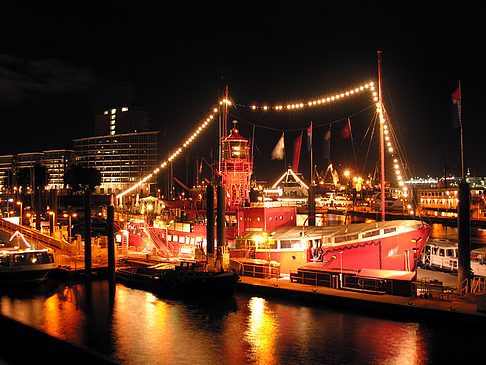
[440, 254]
[24, 266]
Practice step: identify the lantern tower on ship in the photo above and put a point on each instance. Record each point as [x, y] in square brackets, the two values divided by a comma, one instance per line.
[236, 169]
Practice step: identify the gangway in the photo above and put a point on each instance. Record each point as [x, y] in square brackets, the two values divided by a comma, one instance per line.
[60, 246]
[159, 242]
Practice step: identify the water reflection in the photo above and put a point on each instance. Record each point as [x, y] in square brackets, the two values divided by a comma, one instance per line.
[261, 333]
[137, 327]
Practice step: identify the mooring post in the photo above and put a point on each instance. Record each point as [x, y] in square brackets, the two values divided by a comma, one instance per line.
[110, 218]
[220, 221]
[311, 204]
[87, 232]
[464, 235]
[210, 220]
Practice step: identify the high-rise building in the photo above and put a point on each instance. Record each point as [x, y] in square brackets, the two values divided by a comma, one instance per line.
[56, 163]
[121, 120]
[6, 163]
[122, 159]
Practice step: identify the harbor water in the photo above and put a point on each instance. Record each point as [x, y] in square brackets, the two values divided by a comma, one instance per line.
[132, 326]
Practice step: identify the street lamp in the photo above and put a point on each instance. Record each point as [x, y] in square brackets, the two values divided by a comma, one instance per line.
[21, 210]
[8, 208]
[52, 220]
[149, 209]
[69, 216]
[341, 275]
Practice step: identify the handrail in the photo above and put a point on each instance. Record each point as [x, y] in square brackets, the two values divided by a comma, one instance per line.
[36, 235]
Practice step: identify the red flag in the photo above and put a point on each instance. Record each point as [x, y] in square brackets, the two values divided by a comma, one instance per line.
[309, 137]
[346, 131]
[456, 107]
[297, 144]
[456, 95]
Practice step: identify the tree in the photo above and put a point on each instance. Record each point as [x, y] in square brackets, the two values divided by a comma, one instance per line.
[77, 178]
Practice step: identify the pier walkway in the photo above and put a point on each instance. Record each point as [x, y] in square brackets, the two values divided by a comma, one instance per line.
[59, 246]
[459, 309]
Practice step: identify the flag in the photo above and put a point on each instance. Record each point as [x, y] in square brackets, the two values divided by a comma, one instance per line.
[327, 144]
[279, 149]
[346, 131]
[456, 107]
[309, 137]
[297, 144]
[456, 95]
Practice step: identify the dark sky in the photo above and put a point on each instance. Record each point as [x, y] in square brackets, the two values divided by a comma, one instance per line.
[63, 62]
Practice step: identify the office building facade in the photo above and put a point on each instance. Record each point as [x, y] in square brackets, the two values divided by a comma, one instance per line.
[122, 159]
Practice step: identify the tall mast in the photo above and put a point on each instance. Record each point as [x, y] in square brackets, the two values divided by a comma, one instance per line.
[382, 141]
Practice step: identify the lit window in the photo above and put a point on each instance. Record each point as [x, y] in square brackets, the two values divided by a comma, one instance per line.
[105, 112]
[124, 109]
[113, 117]
[112, 122]
[112, 127]
[112, 132]
[113, 111]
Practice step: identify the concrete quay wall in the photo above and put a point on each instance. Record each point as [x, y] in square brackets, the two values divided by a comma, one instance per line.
[405, 308]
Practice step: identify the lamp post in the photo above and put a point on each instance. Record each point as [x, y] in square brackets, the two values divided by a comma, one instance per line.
[21, 210]
[341, 274]
[8, 207]
[52, 221]
[69, 216]
[149, 209]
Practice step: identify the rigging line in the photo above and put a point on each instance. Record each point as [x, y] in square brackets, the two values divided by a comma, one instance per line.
[373, 124]
[234, 115]
[352, 144]
[400, 153]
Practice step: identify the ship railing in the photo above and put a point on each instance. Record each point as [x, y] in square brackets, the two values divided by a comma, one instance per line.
[474, 285]
[265, 271]
[433, 289]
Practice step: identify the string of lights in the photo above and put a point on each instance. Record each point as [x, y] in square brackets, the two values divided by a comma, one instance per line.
[176, 152]
[288, 107]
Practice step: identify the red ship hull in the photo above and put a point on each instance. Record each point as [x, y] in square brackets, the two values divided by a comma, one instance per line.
[399, 251]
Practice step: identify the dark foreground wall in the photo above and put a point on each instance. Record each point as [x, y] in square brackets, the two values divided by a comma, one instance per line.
[21, 344]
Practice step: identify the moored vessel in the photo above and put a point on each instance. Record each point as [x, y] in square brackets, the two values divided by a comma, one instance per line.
[185, 280]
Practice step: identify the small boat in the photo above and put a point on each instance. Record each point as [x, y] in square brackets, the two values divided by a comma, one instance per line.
[25, 267]
[443, 255]
[187, 279]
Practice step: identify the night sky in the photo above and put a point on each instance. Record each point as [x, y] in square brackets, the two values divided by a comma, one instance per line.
[63, 62]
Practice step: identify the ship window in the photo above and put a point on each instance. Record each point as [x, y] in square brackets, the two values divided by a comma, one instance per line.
[371, 234]
[258, 219]
[389, 230]
[4, 261]
[20, 259]
[450, 252]
[441, 252]
[434, 250]
[290, 244]
[281, 217]
[339, 239]
[181, 239]
[269, 219]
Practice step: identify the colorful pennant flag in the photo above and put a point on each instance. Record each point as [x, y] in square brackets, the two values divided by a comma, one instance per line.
[279, 149]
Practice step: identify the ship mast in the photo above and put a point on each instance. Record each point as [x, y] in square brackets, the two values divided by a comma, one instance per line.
[382, 141]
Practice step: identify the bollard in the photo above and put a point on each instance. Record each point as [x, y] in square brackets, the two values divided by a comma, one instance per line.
[210, 220]
[87, 231]
[110, 217]
[464, 235]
